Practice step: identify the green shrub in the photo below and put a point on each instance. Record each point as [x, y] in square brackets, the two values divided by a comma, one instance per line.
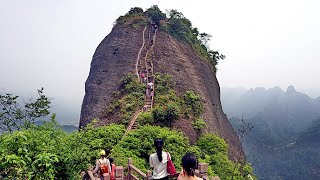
[33, 153]
[212, 144]
[155, 14]
[128, 99]
[139, 144]
[145, 118]
[158, 114]
[166, 114]
[47, 152]
[164, 83]
[193, 104]
[134, 13]
[199, 124]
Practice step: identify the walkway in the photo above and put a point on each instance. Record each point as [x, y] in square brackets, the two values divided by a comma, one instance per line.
[144, 66]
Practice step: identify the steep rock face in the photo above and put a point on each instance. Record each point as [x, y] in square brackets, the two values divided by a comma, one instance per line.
[114, 57]
[189, 72]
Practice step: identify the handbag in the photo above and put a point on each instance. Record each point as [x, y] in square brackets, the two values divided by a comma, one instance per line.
[170, 166]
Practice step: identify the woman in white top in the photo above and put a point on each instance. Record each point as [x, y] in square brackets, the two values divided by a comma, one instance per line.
[158, 161]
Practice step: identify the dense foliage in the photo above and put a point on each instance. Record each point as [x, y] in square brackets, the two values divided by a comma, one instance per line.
[135, 18]
[128, 99]
[181, 28]
[155, 14]
[47, 152]
[169, 106]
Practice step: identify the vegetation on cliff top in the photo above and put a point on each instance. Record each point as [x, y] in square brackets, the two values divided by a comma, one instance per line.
[177, 25]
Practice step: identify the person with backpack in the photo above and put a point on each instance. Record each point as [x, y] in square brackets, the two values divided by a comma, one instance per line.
[158, 161]
[102, 164]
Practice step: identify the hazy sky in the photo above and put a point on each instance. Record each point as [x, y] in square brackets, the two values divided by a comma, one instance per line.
[50, 43]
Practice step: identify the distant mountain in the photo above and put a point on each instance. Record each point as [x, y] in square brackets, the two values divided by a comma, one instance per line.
[274, 106]
[67, 128]
[284, 143]
[310, 136]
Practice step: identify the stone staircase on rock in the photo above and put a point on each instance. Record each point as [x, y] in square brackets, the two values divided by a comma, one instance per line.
[144, 66]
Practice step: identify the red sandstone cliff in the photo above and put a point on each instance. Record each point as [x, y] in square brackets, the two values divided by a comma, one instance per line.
[116, 56]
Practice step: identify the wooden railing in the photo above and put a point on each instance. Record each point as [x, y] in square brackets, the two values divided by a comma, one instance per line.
[133, 120]
[150, 74]
[133, 172]
[139, 54]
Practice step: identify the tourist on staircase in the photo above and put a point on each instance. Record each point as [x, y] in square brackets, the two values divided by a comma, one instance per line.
[145, 79]
[148, 93]
[150, 86]
[158, 161]
[102, 164]
[189, 165]
[151, 94]
[142, 76]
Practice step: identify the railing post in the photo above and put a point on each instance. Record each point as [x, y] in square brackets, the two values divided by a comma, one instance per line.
[91, 175]
[203, 169]
[106, 176]
[129, 169]
[149, 174]
[119, 173]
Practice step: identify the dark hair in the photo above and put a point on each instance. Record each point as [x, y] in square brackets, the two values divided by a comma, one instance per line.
[189, 163]
[158, 144]
[111, 161]
[107, 152]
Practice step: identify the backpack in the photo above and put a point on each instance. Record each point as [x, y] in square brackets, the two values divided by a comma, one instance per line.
[103, 168]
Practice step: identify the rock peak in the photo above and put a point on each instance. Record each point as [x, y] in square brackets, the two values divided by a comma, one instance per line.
[290, 89]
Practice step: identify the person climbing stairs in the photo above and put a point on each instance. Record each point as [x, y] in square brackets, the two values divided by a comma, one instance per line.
[144, 66]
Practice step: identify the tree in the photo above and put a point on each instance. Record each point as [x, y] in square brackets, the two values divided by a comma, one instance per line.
[9, 112]
[215, 56]
[205, 38]
[155, 14]
[135, 10]
[173, 13]
[243, 131]
[13, 116]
